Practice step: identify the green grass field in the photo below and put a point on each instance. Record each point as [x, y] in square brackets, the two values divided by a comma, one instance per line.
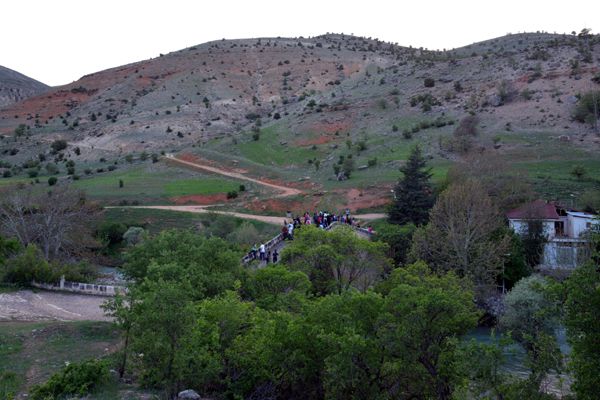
[153, 184]
[31, 352]
[158, 220]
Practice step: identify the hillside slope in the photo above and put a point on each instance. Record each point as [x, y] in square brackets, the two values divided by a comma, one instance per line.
[291, 109]
[16, 87]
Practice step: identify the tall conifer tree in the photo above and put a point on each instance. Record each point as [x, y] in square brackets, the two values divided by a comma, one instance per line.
[413, 197]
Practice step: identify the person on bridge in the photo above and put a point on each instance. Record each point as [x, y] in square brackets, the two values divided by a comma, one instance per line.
[284, 231]
[275, 256]
[268, 257]
[262, 249]
[290, 228]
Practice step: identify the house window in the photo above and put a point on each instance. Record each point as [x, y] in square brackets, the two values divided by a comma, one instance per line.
[559, 228]
[588, 225]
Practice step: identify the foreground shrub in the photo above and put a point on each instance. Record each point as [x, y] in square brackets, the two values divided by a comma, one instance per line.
[30, 265]
[77, 379]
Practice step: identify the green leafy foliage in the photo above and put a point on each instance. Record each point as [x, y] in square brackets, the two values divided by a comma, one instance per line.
[336, 260]
[209, 265]
[77, 379]
[583, 325]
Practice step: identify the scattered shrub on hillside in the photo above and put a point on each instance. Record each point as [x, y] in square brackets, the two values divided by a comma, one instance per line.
[256, 136]
[527, 94]
[578, 171]
[58, 145]
[232, 194]
[372, 162]
[457, 86]
[394, 128]
[407, 134]
[429, 82]
[76, 379]
[52, 181]
[242, 188]
[596, 78]
[506, 91]
[588, 108]
[426, 101]
[467, 126]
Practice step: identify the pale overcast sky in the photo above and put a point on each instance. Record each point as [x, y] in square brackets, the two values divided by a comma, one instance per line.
[58, 41]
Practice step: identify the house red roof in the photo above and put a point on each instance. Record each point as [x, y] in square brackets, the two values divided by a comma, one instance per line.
[538, 209]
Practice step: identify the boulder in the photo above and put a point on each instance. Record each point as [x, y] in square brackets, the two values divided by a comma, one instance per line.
[188, 395]
[494, 100]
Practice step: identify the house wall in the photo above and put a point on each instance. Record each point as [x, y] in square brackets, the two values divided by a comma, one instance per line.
[520, 227]
[563, 255]
[578, 225]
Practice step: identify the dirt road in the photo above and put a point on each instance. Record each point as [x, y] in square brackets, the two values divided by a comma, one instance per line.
[263, 218]
[285, 191]
[25, 305]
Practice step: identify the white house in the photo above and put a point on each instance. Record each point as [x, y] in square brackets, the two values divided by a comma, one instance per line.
[564, 229]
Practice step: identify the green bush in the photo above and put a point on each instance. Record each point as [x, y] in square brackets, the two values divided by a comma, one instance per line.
[232, 194]
[58, 145]
[112, 232]
[429, 82]
[588, 107]
[77, 379]
[30, 265]
[52, 181]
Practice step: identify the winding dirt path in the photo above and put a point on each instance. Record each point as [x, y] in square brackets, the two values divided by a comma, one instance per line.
[285, 190]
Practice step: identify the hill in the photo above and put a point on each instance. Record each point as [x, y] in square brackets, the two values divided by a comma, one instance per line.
[290, 109]
[15, 87]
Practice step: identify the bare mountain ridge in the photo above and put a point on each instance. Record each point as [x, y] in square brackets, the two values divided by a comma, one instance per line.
[322, 85]
[15, 87]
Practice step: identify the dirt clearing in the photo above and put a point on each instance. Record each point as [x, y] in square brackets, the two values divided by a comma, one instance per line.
[26, 305]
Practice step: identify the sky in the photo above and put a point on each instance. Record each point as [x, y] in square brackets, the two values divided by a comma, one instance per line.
[58, 41]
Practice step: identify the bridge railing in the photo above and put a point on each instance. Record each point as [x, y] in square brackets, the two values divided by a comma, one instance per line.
[279, 238]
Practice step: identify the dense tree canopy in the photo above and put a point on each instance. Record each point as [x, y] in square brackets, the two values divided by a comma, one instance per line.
[336, 260]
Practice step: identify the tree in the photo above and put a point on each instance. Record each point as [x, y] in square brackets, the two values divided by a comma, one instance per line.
[534, 239]
[413, 196]
[507, 186]
[398, 238]
[348, 167]
[277, 288]
[531, 318]
[462, 236]
[60, 222]
[422, 316]
[582, 308]
[336, 260]
[209, 265]
[163, 316]
[588, 108]
[120, 309]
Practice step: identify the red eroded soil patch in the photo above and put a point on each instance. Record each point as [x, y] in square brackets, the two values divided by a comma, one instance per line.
[330, 127]
[200, 199]
[282, 205]
[370, 197]
[310, 142]
[189, 157]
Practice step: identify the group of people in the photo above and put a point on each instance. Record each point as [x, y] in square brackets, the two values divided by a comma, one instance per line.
[262, 254]
[321, 219]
